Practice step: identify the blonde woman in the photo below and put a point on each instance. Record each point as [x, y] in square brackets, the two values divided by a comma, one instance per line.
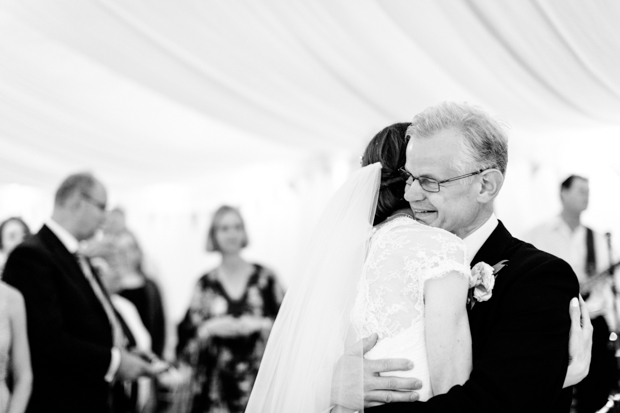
[224, 332]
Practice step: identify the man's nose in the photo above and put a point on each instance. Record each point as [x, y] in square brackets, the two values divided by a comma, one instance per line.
[414, 192]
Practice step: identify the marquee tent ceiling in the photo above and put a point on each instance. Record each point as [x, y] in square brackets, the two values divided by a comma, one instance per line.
[147, 91]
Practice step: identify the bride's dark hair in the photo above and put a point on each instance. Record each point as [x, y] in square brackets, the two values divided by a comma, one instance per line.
[388, 147]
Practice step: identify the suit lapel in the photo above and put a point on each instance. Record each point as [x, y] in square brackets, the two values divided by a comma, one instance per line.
[69, 265]
[492, 251]
[61, 255]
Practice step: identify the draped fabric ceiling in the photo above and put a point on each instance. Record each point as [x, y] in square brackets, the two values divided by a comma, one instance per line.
[151, 91]
[245, 96]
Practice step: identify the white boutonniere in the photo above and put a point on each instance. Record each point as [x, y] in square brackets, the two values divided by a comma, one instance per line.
[482, 281]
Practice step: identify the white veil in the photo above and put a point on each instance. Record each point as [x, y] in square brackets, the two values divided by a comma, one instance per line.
[313, 326]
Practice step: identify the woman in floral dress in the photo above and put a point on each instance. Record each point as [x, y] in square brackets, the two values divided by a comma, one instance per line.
[225, 329]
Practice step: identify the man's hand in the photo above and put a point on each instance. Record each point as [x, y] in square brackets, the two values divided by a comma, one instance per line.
[579, 343]
[133, 366]
[224, 326]
[249, 324]
[375, 390]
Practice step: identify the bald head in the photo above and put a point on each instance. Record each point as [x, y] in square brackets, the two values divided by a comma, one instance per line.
[80, 205]
[80, 182]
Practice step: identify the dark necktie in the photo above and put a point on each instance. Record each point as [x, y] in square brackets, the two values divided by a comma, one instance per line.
[118, 336]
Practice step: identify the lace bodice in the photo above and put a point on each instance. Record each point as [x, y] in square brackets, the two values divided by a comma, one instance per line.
[403, 255]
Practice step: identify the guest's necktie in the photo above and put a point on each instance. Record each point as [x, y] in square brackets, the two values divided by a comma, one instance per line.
[118, 336]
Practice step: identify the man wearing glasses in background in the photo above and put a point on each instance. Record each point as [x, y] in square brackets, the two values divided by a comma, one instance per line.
[77, 341]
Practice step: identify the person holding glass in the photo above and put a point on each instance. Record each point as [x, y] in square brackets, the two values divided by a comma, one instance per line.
[225, 329]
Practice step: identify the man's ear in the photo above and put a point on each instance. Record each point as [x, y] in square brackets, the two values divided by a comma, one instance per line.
[491, 182]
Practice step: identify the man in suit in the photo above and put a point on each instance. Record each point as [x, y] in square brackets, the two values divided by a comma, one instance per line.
[456, 163]
[77, 343]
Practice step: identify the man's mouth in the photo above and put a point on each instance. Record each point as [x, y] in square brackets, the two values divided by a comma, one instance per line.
[422, 213]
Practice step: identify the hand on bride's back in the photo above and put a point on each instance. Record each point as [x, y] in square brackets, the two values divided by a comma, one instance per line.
[375, 390]
[579, 344]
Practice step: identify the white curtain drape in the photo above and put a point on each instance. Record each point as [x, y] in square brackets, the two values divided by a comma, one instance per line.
[181, 105]
[153, 90]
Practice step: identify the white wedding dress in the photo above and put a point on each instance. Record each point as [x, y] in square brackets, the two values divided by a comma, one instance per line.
[402, 256]
[357, 279]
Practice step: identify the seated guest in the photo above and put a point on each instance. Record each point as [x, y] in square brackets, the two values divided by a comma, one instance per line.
[14, 351]
[13, 231]
[224, 332]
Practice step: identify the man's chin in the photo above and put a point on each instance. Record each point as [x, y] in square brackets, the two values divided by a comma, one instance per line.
[426, 218]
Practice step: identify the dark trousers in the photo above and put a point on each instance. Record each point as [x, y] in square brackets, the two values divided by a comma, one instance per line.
[592, 393]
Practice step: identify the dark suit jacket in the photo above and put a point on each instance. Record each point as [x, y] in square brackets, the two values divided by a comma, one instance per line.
[520, 336]
[69, 332]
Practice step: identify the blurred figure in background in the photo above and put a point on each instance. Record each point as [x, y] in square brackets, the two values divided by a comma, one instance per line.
[133, 288]
[134, 283]
[140, 399]
[588, 254]
[115, 222]
[143, 292]
[225, 329]
[14, 352]
[12, 232]
[137, 299]
[76, 339]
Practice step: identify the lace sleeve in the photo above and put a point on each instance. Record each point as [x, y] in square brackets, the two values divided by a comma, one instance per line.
[438, 252]
[401, 259]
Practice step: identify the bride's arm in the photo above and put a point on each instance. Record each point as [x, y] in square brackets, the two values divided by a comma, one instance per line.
[448, 339]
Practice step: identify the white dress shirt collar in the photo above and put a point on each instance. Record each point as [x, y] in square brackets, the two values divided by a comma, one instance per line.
[68, 240]
[474, 241]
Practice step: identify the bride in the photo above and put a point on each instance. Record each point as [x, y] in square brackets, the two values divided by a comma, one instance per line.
[371, 269]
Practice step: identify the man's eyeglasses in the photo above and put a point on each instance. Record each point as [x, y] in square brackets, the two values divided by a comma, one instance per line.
[101, 205]
[430, 184]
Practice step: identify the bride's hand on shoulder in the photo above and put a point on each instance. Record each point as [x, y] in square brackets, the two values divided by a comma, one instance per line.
[348, 392]
[579, 343]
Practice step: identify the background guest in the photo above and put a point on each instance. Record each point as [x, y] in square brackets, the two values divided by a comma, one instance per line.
[224, 332]
[77, 342]
[143, 292]
[588, 254]
[12, 232]
[142, 400]
[14, 351]
[115, 222]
